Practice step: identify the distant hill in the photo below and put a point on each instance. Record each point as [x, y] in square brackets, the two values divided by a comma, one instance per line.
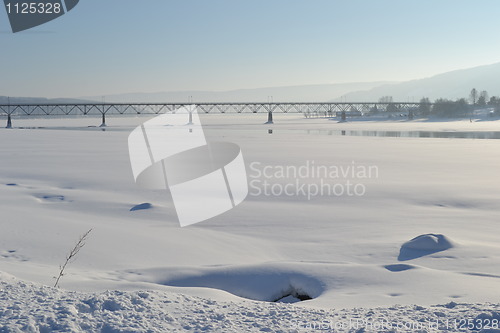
[306, 93]
[38, 100]
[451, 85]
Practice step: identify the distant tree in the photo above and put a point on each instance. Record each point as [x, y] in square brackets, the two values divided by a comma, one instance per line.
[484, 94]
[447, 108]
[462, 107]
[483, 97]
[425, 106]
[442, 107]
[481, 101]
[494, 100]
[391, 107]
[385, 99]
[473, 96]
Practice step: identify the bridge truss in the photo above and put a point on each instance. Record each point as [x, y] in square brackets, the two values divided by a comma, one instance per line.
[326, 109]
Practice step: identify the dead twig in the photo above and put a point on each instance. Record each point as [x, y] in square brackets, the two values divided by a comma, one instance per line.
[71, 255]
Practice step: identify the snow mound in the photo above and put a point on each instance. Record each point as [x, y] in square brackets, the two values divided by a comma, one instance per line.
[259, 283]
[145, 205]
[429, 242]
[399, 267]
[424, 245]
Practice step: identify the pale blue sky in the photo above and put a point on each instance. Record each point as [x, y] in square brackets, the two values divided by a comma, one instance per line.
[105, 47]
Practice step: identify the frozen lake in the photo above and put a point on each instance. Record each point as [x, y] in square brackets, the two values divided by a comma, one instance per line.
[287, 239]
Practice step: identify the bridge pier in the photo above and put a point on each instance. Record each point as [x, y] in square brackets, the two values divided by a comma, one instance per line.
[410, 115]
[103, 120]
[9, 121]
[270, 117]
[190, 122]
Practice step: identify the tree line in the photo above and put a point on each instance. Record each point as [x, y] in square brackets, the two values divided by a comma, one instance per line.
[443, 107]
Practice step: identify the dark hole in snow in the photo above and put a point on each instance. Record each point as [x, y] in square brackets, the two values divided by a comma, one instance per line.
[292, 296]
[141, 206]
[54, 197]
[304, 297]
[50, 197]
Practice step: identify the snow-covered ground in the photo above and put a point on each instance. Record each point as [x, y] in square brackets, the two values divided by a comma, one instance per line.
[351, 247]
[35, 308]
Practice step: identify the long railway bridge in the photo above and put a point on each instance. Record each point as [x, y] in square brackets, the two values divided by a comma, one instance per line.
[326, 109]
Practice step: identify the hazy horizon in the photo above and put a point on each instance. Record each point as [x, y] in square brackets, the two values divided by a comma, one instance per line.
[118, 47]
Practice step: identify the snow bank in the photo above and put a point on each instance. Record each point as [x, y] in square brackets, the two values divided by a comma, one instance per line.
[30, 307]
